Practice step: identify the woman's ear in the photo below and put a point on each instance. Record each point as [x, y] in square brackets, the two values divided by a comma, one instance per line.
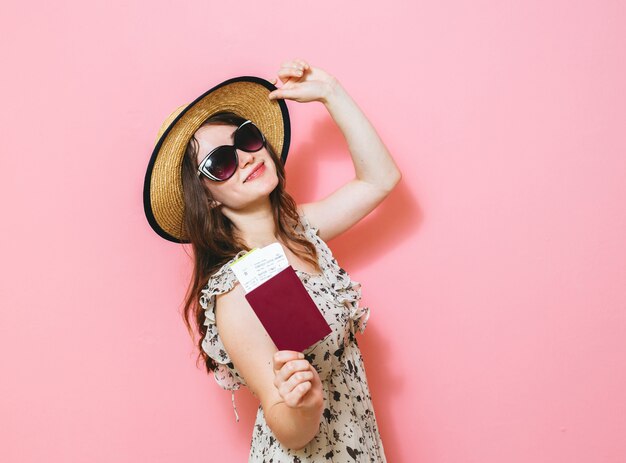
[213, 203]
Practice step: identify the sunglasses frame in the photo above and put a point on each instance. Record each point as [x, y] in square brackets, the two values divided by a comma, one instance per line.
[207, 174]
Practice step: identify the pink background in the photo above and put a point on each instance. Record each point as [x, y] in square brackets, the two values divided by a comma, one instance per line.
[495, 271]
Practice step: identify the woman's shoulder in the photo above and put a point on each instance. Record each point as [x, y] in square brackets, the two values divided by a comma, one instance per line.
[304, 223]
[223, 279]
[301, 210]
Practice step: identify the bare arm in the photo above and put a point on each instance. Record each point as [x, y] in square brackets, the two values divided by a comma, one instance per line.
[286, 384]
[376, 173]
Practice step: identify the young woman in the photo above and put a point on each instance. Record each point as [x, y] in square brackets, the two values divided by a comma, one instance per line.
[314, 405]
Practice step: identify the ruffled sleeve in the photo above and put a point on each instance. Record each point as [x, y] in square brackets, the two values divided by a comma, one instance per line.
[345, 289]
[225, 374]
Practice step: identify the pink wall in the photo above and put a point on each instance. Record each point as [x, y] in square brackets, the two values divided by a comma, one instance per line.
[495, 271]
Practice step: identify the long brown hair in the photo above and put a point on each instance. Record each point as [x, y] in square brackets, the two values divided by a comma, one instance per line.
[212, 235]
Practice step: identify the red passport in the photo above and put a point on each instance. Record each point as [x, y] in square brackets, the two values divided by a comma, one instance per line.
[287, 312]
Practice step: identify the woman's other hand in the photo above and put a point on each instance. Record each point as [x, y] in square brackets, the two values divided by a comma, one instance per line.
[266, 372]
[296, 380]
[303, 82]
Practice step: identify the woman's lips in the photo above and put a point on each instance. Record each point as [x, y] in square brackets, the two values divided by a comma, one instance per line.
[257, 172]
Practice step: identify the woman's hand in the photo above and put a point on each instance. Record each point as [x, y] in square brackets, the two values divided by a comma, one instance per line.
[297, 380]
[303, 83]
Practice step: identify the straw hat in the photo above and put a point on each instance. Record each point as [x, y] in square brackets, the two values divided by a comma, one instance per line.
[246, 96]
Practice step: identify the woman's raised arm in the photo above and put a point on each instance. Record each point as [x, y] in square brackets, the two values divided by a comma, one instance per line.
[376, 173]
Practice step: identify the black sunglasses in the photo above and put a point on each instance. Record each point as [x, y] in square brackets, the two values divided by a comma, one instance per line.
[221, 163]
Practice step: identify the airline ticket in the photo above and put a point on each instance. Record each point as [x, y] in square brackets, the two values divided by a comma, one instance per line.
[259, 265]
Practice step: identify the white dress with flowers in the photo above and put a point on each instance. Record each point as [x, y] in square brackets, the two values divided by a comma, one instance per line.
[348, 430]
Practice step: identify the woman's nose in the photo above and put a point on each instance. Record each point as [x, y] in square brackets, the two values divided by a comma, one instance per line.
[245, 158]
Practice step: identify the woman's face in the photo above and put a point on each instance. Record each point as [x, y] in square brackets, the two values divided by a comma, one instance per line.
[238, 192]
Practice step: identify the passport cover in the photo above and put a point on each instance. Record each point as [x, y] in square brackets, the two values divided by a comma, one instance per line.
[287, 311]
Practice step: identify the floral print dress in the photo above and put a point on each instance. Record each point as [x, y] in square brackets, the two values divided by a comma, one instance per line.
[348, 430]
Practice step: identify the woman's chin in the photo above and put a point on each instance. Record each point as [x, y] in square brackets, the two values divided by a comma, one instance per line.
[265, 182]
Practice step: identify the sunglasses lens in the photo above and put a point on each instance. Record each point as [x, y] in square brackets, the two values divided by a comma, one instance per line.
[249, 138]
[222, 164]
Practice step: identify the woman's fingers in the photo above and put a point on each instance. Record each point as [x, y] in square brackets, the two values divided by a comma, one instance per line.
[287, 73]
[295, 63]
[294, 398]
[296, 384]
[303, 64]
[294, 68]
[296, 379]
[293, 376]
[301, 82]
[289, 368]
[291, 70]
[283, 356]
